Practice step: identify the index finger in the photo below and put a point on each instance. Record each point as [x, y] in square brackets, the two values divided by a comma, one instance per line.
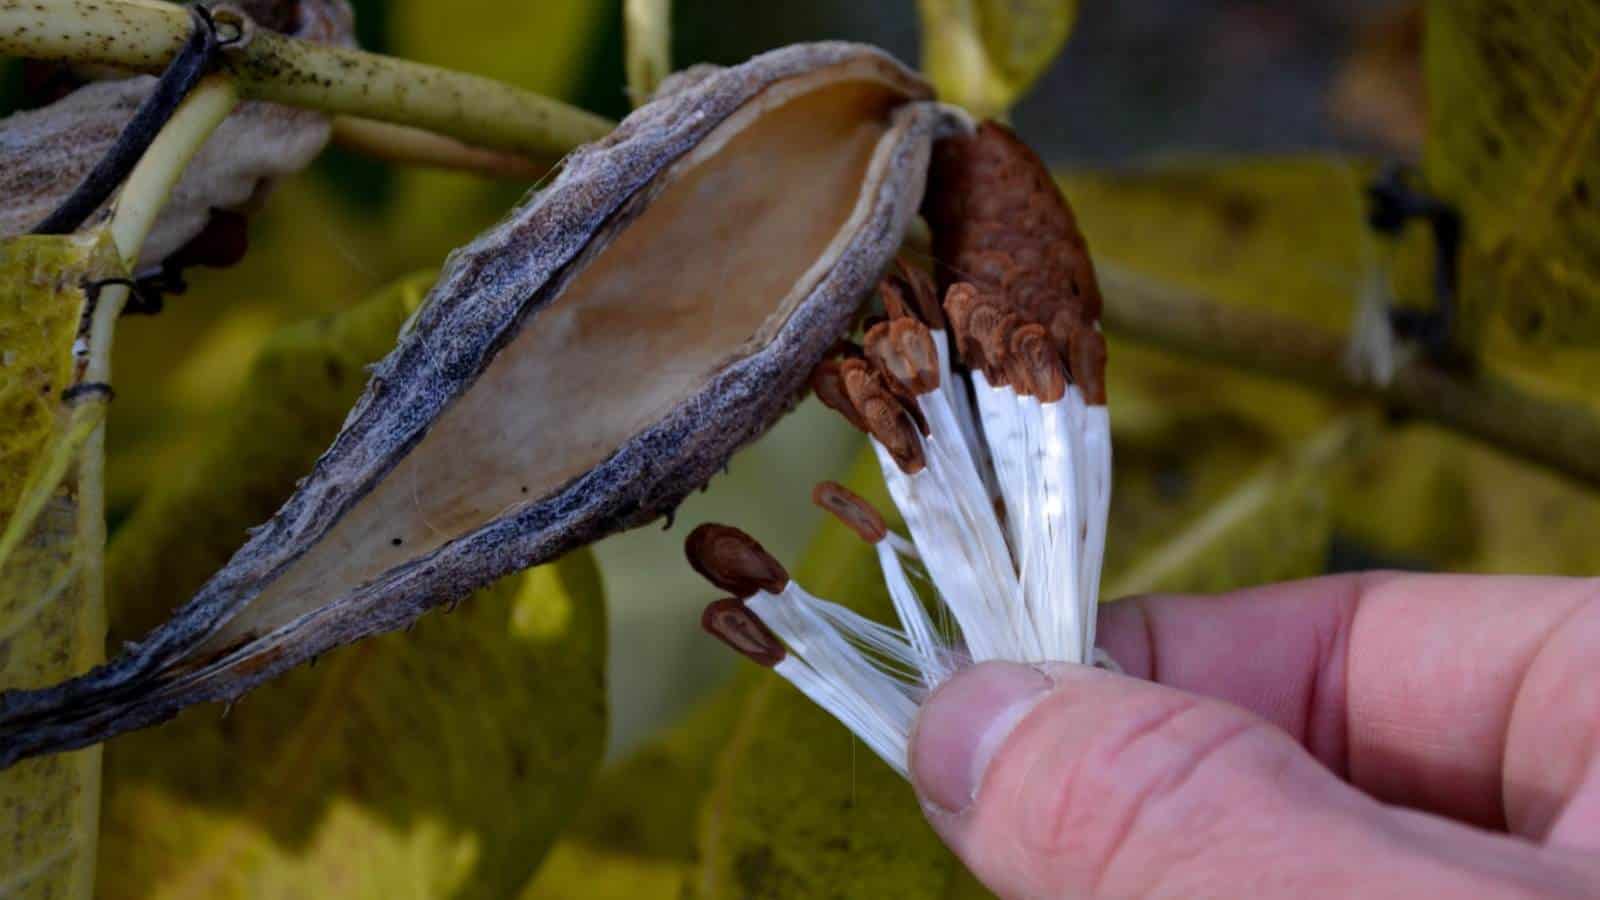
[1476, 697]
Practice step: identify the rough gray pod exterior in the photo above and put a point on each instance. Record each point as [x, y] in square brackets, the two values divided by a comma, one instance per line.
[489, 291]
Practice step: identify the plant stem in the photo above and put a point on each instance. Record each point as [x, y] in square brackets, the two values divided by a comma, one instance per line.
[409, 146]
[647, 26]
[1562, 435]
[144, 35]
[142, 197]
[152, 180]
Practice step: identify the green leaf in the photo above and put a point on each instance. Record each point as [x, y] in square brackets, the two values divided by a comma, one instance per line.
[52, 611]
[442, 761]
[1513, 105]
[984, 54]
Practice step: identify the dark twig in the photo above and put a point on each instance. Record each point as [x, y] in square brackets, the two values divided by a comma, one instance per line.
[1394, 203]
[191, 64]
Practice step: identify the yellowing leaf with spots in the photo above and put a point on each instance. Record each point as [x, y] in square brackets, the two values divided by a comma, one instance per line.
[1286, 235]
[438, 762]
[1514, 142]
[52, 610]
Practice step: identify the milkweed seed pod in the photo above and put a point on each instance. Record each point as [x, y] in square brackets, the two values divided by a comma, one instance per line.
[986, 408]
[46, 152]
[577, 369]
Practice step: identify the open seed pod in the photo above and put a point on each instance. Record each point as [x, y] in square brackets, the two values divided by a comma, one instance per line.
[577, 369]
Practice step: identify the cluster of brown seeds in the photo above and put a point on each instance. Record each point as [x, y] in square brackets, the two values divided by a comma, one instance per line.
[1000, 222]
[735, 562]
[874, 384]
[1020, 301]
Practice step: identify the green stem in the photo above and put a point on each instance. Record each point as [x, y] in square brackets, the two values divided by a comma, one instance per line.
[647, 25]
[407, 146]
[1561, 435]
[144, 35]
[151, 181]
[141, 199]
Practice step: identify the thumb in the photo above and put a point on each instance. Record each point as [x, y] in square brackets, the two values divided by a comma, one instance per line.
[1066, 781]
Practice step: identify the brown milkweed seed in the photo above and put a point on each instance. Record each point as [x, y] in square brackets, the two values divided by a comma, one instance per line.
[730, 622]
[734, 561]
[848, 507]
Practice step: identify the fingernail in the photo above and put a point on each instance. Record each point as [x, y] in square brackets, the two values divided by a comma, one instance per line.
[962, 726]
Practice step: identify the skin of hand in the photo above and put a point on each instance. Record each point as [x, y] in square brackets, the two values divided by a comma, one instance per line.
[1371, 735]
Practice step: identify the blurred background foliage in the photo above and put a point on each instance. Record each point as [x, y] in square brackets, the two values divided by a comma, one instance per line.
[1219, 146]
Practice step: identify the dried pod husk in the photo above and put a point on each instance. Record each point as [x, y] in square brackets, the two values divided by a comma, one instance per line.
[578, 369]
[46, 152]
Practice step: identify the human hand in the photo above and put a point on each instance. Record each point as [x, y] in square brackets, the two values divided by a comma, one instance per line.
[1378, 735]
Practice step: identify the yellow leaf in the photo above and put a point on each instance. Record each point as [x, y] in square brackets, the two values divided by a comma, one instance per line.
[1287, 234]
[1437, 499]
[441, 761]
[52, 617]
[1513, 104]
[178, 371]
[984, 54]
[1273, 524]
[287, 409]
